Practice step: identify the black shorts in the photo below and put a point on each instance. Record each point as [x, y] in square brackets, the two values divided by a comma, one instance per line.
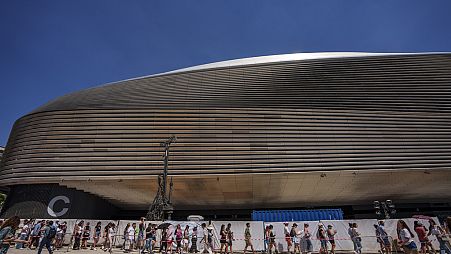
[332, 242]
[222, 241]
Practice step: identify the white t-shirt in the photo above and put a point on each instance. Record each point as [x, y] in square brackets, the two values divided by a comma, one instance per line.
[406, 238]
[24, 230]
[110, 232]
[131, 233]
[286, 231]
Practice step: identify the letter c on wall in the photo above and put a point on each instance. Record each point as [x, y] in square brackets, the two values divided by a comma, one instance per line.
[52, 202]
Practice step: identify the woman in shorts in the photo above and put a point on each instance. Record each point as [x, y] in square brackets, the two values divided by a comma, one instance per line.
[331, 235]
[97, 232]
[405, 237]
[223, 239]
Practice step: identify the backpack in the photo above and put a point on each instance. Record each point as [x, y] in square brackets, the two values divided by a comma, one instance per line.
[52, 233]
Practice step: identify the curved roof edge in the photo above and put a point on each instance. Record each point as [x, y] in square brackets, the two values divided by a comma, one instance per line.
[282, 58]
[274, 59]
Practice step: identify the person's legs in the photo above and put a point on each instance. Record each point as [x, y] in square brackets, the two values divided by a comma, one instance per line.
[359, 246]
[252, 248]
[429, 244]
[354, 245]
[41, 245]
[48, 246]
[110, 243]
[288, 240]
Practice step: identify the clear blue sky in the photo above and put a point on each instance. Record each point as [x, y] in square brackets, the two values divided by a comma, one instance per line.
[50, 48]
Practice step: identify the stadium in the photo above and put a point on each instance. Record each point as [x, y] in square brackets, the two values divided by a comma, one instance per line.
[274, 132]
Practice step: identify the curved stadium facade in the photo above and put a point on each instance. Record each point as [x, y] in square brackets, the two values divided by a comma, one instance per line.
[286, 131]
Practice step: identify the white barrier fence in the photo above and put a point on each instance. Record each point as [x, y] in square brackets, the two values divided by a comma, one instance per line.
[257, 228]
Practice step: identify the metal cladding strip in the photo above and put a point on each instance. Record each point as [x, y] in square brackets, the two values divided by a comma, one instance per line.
[382, 112]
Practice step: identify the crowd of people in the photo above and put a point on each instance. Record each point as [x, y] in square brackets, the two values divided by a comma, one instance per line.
[142, 237]
[136, 237]
[300, 241]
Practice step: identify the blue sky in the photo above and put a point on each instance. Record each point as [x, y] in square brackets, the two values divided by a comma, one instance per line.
[50, 48]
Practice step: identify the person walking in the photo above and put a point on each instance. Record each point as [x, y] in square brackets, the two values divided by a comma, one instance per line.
[230, 239]
[405, 237]
[148, 245]
[439, 233]
[350, 233]
[223, 239]
[59, 237]
[422, 234]
[49, 233]
[248, 238]
[170, 239]
[97, 232]
[295, 233]
[78, 231]
[306, 240]
[272, 240]
[24, 233]
[185, 241]
[382, 237]
[64, 230]
[86, 236]
[193, 248]
[164, 240]
[287, 235]
[8, 232]
[105, 236]
[266, 239]
[331, 236]
[111, 235]
[321, 236]
[141, 229]
[356, 239]
[130, 238]
[125, 237]
[205, 244]
[36, 234]
[178, 238]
